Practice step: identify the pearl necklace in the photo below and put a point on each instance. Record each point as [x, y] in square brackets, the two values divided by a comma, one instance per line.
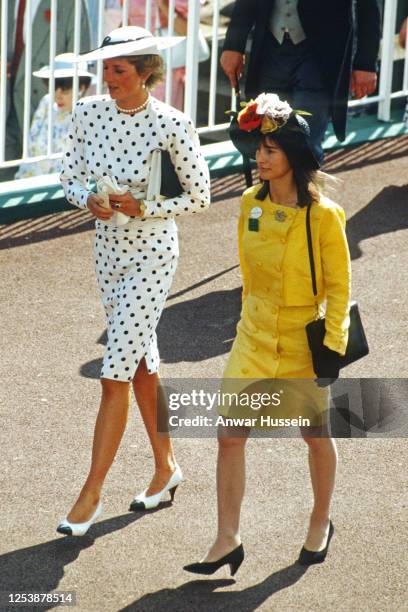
[130, 111]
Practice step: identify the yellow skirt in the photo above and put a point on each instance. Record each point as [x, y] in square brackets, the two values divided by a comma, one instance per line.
[271, 357]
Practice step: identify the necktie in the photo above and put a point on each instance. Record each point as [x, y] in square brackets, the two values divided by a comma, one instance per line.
[19, 42]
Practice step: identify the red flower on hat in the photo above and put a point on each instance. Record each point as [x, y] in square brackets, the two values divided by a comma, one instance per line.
[248, 118]
[47, 15]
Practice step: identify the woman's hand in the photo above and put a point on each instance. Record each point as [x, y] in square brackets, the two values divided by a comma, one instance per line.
[96, 206]
[125, 204]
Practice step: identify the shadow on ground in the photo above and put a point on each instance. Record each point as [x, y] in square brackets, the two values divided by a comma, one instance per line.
[192, 330]
[387, 212]
[40, 568]
[201, 595]
[49, 227]
[369, 153]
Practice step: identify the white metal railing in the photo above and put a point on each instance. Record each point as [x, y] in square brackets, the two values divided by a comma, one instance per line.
[3, 79]
[384, 97]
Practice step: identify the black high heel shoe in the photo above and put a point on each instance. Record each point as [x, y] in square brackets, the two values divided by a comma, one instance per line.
[309, 557]
[233, 559]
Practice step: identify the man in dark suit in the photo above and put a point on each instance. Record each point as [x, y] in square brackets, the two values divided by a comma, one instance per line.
[309, 52]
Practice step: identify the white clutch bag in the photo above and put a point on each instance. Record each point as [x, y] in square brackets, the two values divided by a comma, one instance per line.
[163, 183]
[108, 185]
[153, 188]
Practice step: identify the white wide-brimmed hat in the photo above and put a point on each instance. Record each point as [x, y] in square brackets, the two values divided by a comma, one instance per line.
[130, 40]
[64, 68]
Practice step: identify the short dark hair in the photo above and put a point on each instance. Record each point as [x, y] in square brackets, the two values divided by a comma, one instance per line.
[148, 63]
[66, 83]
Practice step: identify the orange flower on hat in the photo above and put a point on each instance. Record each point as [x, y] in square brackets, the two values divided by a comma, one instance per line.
[248, 118]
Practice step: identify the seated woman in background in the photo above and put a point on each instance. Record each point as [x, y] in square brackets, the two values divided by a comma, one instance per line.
[62, 109]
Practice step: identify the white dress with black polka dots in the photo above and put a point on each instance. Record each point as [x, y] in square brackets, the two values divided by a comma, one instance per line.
[136, 262]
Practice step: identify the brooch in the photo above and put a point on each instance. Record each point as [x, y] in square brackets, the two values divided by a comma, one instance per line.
[280, 216]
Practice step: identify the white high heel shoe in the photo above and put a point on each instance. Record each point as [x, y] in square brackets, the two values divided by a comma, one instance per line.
[144, 502]
[79, 529]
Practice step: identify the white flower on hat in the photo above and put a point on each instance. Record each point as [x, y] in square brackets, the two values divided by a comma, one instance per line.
[265, 101]
[270, 105]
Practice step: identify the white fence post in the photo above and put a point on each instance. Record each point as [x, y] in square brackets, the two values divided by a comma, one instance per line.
[125, 13]
[99, 65]
[387, 60]
[169, 71]
[190, 94]
[3, 79]
[51, 84]
[405, 77]
[77, 47]
[214, 64]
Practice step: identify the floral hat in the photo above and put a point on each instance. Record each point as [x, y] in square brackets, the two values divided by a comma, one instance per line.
[268, 114]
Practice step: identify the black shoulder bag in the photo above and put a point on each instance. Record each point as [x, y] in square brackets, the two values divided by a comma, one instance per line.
[357, 346]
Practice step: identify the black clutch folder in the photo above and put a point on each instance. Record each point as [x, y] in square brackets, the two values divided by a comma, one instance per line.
[170, 186]
[357, 346]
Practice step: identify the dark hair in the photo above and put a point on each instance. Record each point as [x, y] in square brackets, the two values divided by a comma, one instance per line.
[148, 63]
[305, 177]
[67, 83]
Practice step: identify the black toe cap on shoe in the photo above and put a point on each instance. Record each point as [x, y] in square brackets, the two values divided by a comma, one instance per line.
[136, 505]
[195, 568]
[64, 530]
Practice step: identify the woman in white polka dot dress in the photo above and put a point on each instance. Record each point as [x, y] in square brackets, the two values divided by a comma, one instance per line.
[115, 136]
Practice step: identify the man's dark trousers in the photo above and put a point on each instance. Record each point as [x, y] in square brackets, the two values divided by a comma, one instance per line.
[292, 72]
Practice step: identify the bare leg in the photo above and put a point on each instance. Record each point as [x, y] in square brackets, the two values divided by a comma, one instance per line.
[109, 428]
[230, 489]
[146, 386]
[322, 463]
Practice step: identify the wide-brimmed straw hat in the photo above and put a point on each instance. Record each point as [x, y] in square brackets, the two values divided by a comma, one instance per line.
[64, 68]
[267, 115]
[130, 40]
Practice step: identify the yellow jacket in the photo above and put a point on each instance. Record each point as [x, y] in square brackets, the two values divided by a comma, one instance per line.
[275, 262]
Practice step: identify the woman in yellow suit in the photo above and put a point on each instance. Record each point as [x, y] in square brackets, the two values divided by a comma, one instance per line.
[277, 302]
